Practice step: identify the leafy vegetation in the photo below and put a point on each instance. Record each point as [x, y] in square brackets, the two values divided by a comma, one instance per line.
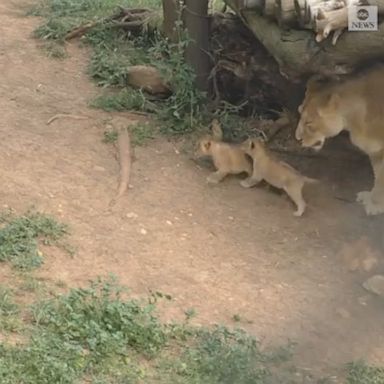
[9, 311]
[99, 335]
[361, 373]
[20, 236]
[114, 51]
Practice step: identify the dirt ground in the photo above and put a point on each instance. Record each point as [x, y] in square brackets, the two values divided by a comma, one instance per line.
[221, 250]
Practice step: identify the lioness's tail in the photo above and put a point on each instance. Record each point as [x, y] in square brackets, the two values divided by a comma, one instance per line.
[309, 180]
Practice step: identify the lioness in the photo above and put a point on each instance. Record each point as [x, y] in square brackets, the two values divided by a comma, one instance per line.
[275, 172]
[227, 158]
[356, 105]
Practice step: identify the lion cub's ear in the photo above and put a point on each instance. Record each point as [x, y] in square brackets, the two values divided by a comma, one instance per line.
[217, 132]
[207, 145]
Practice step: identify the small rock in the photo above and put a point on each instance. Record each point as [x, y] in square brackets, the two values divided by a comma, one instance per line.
[143, 231]
[132, 215]
[375, 284]
[363, 300]
[169, 222]
[369, 263]
[343, 313]
[98, 168]
[231, 218]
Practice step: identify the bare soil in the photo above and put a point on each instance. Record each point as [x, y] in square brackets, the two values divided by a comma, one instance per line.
[221, 250]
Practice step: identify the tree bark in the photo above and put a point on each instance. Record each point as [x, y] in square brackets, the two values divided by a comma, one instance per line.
[299, 55]
[170, 16]
[197, 23]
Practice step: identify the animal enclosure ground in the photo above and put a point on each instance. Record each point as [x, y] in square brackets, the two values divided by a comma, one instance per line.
[229, 253]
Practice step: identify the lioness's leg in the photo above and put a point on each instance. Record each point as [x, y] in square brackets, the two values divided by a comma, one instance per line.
[373, 201]
[294, 191]
[216, 177]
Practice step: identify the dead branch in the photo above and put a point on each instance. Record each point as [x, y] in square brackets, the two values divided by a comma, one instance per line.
[81, 30]
[124, 149]
[66, 116]
[125, 18]
[326, 22]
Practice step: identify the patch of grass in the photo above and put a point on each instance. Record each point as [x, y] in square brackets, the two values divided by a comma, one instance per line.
[361, 373]
[9, 310]
[115, 51]
[142, 132]
[55, 50]
[98, 334]
[127, 99]
[20, 237]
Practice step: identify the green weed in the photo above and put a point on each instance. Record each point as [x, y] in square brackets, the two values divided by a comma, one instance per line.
[115, 51]
[20, 236]
[9, 310]
[98, 334]
[361, 373]
[125, 100]
[142, 132]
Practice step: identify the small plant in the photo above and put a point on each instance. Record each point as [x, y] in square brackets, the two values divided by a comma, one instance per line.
[9, 310]
[361, 373]
[124, 100]
[20, 236]
[142, 132]
[101, 322]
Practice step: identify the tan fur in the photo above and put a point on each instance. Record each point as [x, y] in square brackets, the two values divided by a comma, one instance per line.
[275, 172]
[227, 158]
[356, 105]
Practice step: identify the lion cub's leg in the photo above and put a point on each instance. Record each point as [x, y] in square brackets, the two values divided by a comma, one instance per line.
[216, 177]
[294, 191]
[254, 179]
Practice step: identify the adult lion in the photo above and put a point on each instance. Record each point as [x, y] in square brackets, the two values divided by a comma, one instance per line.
[355, 104]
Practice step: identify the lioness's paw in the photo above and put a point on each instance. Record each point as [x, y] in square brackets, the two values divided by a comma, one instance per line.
[372, 208]
[363, 197]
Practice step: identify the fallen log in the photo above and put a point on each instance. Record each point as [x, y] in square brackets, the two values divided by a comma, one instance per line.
[299, 55]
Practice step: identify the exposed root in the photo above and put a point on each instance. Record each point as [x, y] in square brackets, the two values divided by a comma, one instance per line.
[63, 115]
[124, 149]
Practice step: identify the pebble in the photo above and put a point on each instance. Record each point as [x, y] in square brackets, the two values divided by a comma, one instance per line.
[375, 284]
[143, 231]
[132, 215]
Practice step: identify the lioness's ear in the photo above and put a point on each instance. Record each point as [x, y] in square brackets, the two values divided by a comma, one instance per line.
[334, 100]
[300, 108]
[216, 130]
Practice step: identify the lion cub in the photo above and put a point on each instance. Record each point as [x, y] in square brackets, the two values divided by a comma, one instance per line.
[227, 158]
[275, 172]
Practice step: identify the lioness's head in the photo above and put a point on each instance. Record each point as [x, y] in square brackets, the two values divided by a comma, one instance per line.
[320, 119]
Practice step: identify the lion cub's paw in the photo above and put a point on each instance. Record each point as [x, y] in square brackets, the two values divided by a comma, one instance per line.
[213, 179]
[299, 212]
[248, 183]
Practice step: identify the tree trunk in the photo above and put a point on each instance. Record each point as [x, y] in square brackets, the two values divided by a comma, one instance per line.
[299, 55]
[170, 16]
[197, 23]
